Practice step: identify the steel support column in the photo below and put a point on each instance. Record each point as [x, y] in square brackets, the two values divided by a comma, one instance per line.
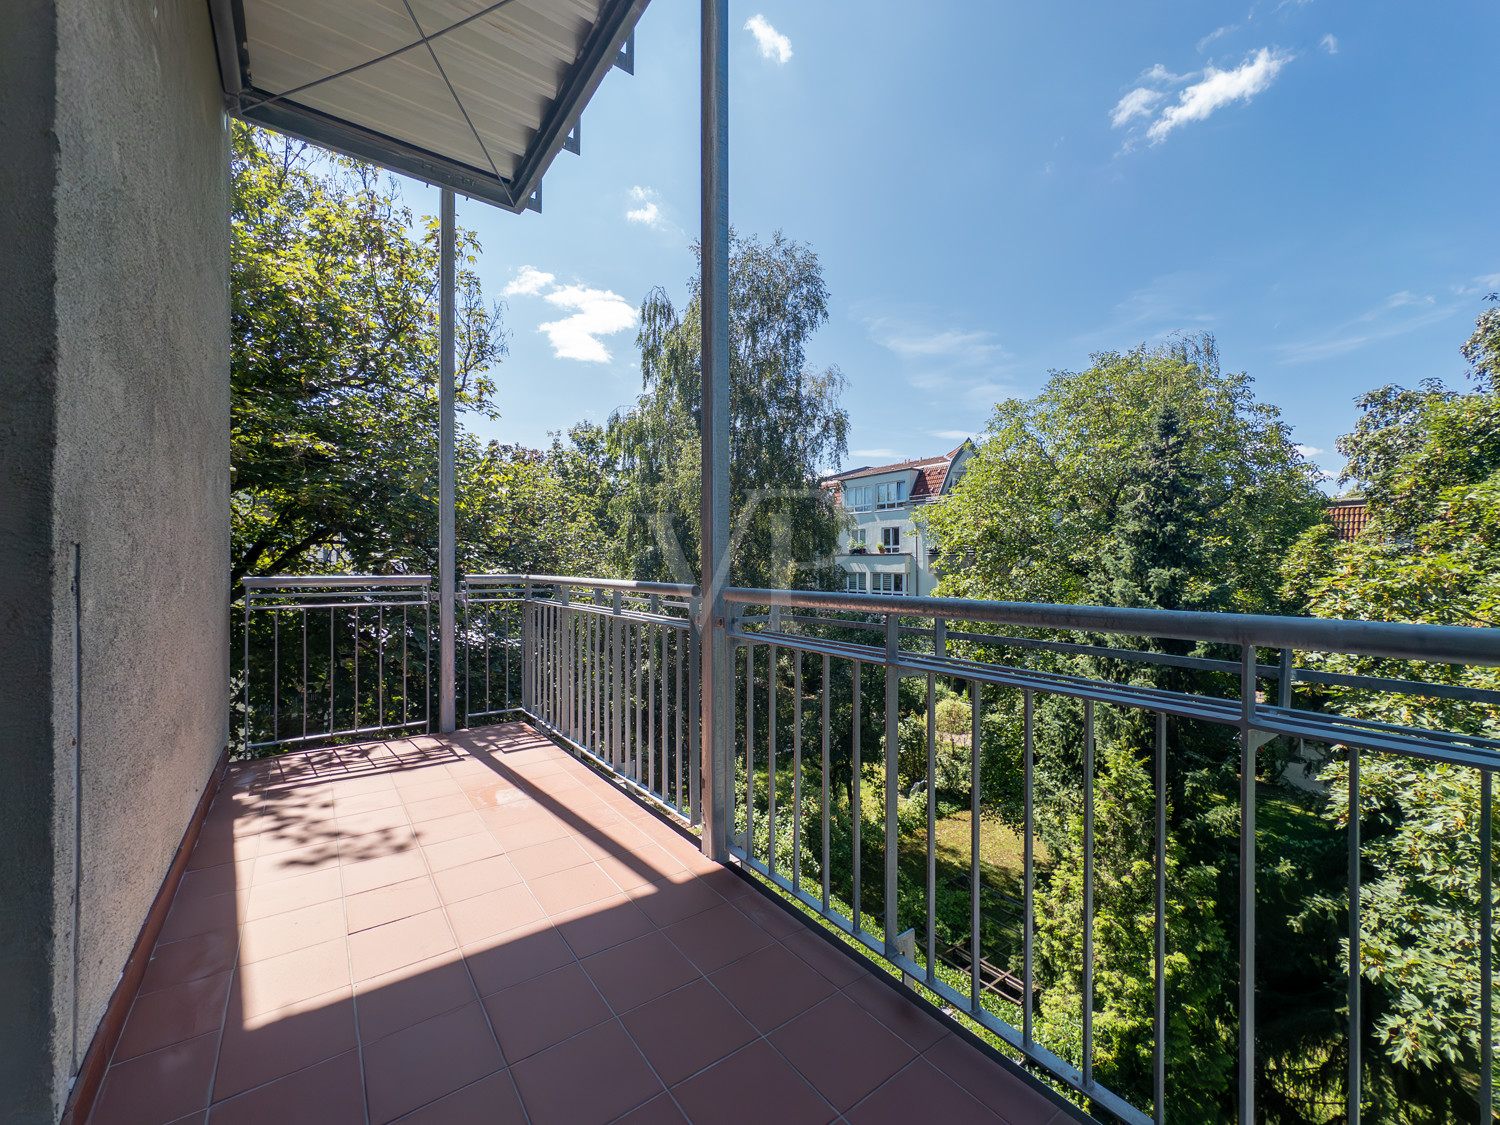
[717, 670]
[447, 280]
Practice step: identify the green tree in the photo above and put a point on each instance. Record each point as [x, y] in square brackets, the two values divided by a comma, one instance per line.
[334, 364]
[1038, 505]
[786, 425]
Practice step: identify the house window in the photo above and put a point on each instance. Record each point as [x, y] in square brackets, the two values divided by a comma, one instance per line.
[857, 537]
[889, 495]
[890, 538]
[888, 584]
[857, 499]
[854, 583]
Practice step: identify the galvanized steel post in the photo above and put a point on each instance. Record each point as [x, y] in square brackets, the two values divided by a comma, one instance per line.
[447, 280]
[717, 671]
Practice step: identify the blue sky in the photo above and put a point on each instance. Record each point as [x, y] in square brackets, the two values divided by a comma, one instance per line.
[999, 189]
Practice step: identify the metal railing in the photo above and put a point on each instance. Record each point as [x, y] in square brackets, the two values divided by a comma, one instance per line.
[819, 634]
[328, 658]
[611, 668]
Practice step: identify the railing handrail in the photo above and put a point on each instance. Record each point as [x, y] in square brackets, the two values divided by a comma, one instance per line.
[675, 589]
[1441, 644]
[334, 580]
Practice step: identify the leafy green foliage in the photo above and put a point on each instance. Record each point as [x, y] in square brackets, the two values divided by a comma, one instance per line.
[785, 425]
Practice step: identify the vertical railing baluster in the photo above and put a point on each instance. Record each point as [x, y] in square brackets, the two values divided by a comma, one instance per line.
[975, 939]
[304, 671]
[354, 613]
[823, 808]
[1159, 929]
[695, 710]
[331, 637]
[1247, 886]
[249, 594]
[677, 756]
[1486, 953]
[617, 637]
[771, 759]
[931, 830]
[426, 657]
[1028, 860]
[1355, 1046]
[651, 705]
[380, 665]
[749, 751]
[857, 807]
[796, 655]
[1088, 892]
[892, 778]
[635, 676]
[276, 673]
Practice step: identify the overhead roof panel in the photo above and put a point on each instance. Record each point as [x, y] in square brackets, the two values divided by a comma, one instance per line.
[476, 95]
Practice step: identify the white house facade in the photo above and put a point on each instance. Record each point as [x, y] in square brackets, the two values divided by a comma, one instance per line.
[884, 552]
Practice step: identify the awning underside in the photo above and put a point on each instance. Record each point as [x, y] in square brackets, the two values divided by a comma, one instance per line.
[476, 95]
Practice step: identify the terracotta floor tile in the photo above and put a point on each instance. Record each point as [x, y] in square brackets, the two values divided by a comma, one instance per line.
[522, 832]
[384, 842]
[675, 898]
[435, 808]
[638, 869]
[494, 913]
[381, 949]
[515, 957]
[270, 1046]
[717, 937]
[920, 1091]
[896, 1012]
[589, 929]
[303, 831]
[491, 1100]
[292, 977]
[430, 786]
[161, 1086]
[685, 1031]
[756, 1085]
[426, 1061]
[294, 863]
[206, 882]
[829, 960]
[660, 1110]
[479, 877]
[771, 986]
[459, 851]
[619, 1079]
[842, 1050]
[385, 819]
[449, 828]
[387, 904]
[292, 894]
[382, 872]
[411, 994]
[192, 958]
[493, 794]
[346, 806]
[541, 1012]
[991, 1083]
[638, 971]
[768, 916]
[295, 929]
[547, 859]
[172, 1015]
[326, 1094]
[573, 888]
[192, 916]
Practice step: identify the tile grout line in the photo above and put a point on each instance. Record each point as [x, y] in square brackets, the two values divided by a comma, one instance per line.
[234, 976]
[359, 1039]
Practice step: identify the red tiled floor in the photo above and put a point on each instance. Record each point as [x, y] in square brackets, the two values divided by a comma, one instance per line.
[481, 928]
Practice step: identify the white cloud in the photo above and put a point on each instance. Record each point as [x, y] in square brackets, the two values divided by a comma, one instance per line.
[1137, 103]
[648, 212]
[1217, 88]
[1397, 315]
[599, 312]
[1309, 450]
[529, 281]
[952, 435]
[1329, 44]
[1217, 34]
[773, 44]
[959, 348]
[875, 454]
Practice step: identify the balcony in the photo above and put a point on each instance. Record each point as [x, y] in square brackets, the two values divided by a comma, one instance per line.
[483, 927]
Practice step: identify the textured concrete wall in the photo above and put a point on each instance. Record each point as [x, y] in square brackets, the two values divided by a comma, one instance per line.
[121, 440]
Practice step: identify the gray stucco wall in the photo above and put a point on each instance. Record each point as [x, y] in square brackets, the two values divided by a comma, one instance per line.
[114, 449]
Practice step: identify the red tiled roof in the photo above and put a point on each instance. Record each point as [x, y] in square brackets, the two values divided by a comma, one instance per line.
[935, 468]
[1350, 517]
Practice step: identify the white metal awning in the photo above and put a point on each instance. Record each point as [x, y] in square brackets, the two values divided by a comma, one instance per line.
[474, 95]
